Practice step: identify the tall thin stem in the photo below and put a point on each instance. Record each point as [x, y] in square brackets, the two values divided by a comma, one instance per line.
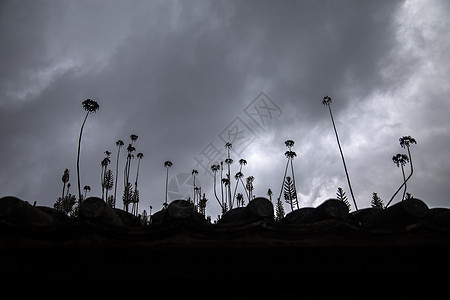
[117, 175]
[78, 158]
[343, 159]
[404, 180]
[167, 179]
[215, 192]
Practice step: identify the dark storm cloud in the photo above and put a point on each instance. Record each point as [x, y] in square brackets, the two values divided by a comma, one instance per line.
[177, 73]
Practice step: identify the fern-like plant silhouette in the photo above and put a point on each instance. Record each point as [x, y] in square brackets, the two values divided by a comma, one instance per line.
[341, 196]
[376, 201]
[279, 211]
[290, 194]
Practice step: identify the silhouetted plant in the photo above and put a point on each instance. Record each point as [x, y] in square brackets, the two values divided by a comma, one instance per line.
[327, 101]
[135, 201]
[110, 201]
[167, 165]
[128, 190]
[409, 196]
[229, 161]
[127, 195]
[400, 160]
[214, 169]
[376, 201]
[104, 164]
[405, 142]
[238, 176]
[108, 183]
[202, 205]
[290, 194]
[340, 195]
[279, 211]
[194, 173]
[240, 200]
[90, 106]
[224, 204]
[144, 218]
[119, 144]
[86, 189]
[249, 186]
[136, 191]
[65, 180]
[290, 156]
[66, 203]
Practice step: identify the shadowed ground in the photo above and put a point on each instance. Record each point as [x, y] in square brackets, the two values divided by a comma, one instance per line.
[324, 253]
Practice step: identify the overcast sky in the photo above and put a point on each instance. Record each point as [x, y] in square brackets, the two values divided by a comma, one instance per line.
[186, 75]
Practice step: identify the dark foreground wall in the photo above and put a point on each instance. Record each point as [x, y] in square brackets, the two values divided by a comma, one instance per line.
[402, 253]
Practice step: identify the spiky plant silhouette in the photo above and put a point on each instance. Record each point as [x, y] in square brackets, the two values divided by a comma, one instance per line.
[405, 142]
[238, 176]
[341, 196]
[128, 189]
[136, 191]
[401, 160]
[194, 173]
[108, 183]
[119, 144]
[240, 200]
[279, 211]
[226, 184]
[104, 164]
[327, 102]
[376, 201]
[290, 194]
[90, 106]
[290, 156]
[66, 203]
[65, 180]
[202, 205]
[167, 165]
[249, 186]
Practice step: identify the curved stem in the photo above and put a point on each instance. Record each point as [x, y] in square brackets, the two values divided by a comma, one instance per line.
[78, 158]
[117, 175]
[404, 183]
[404, 180]
[215, 192]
